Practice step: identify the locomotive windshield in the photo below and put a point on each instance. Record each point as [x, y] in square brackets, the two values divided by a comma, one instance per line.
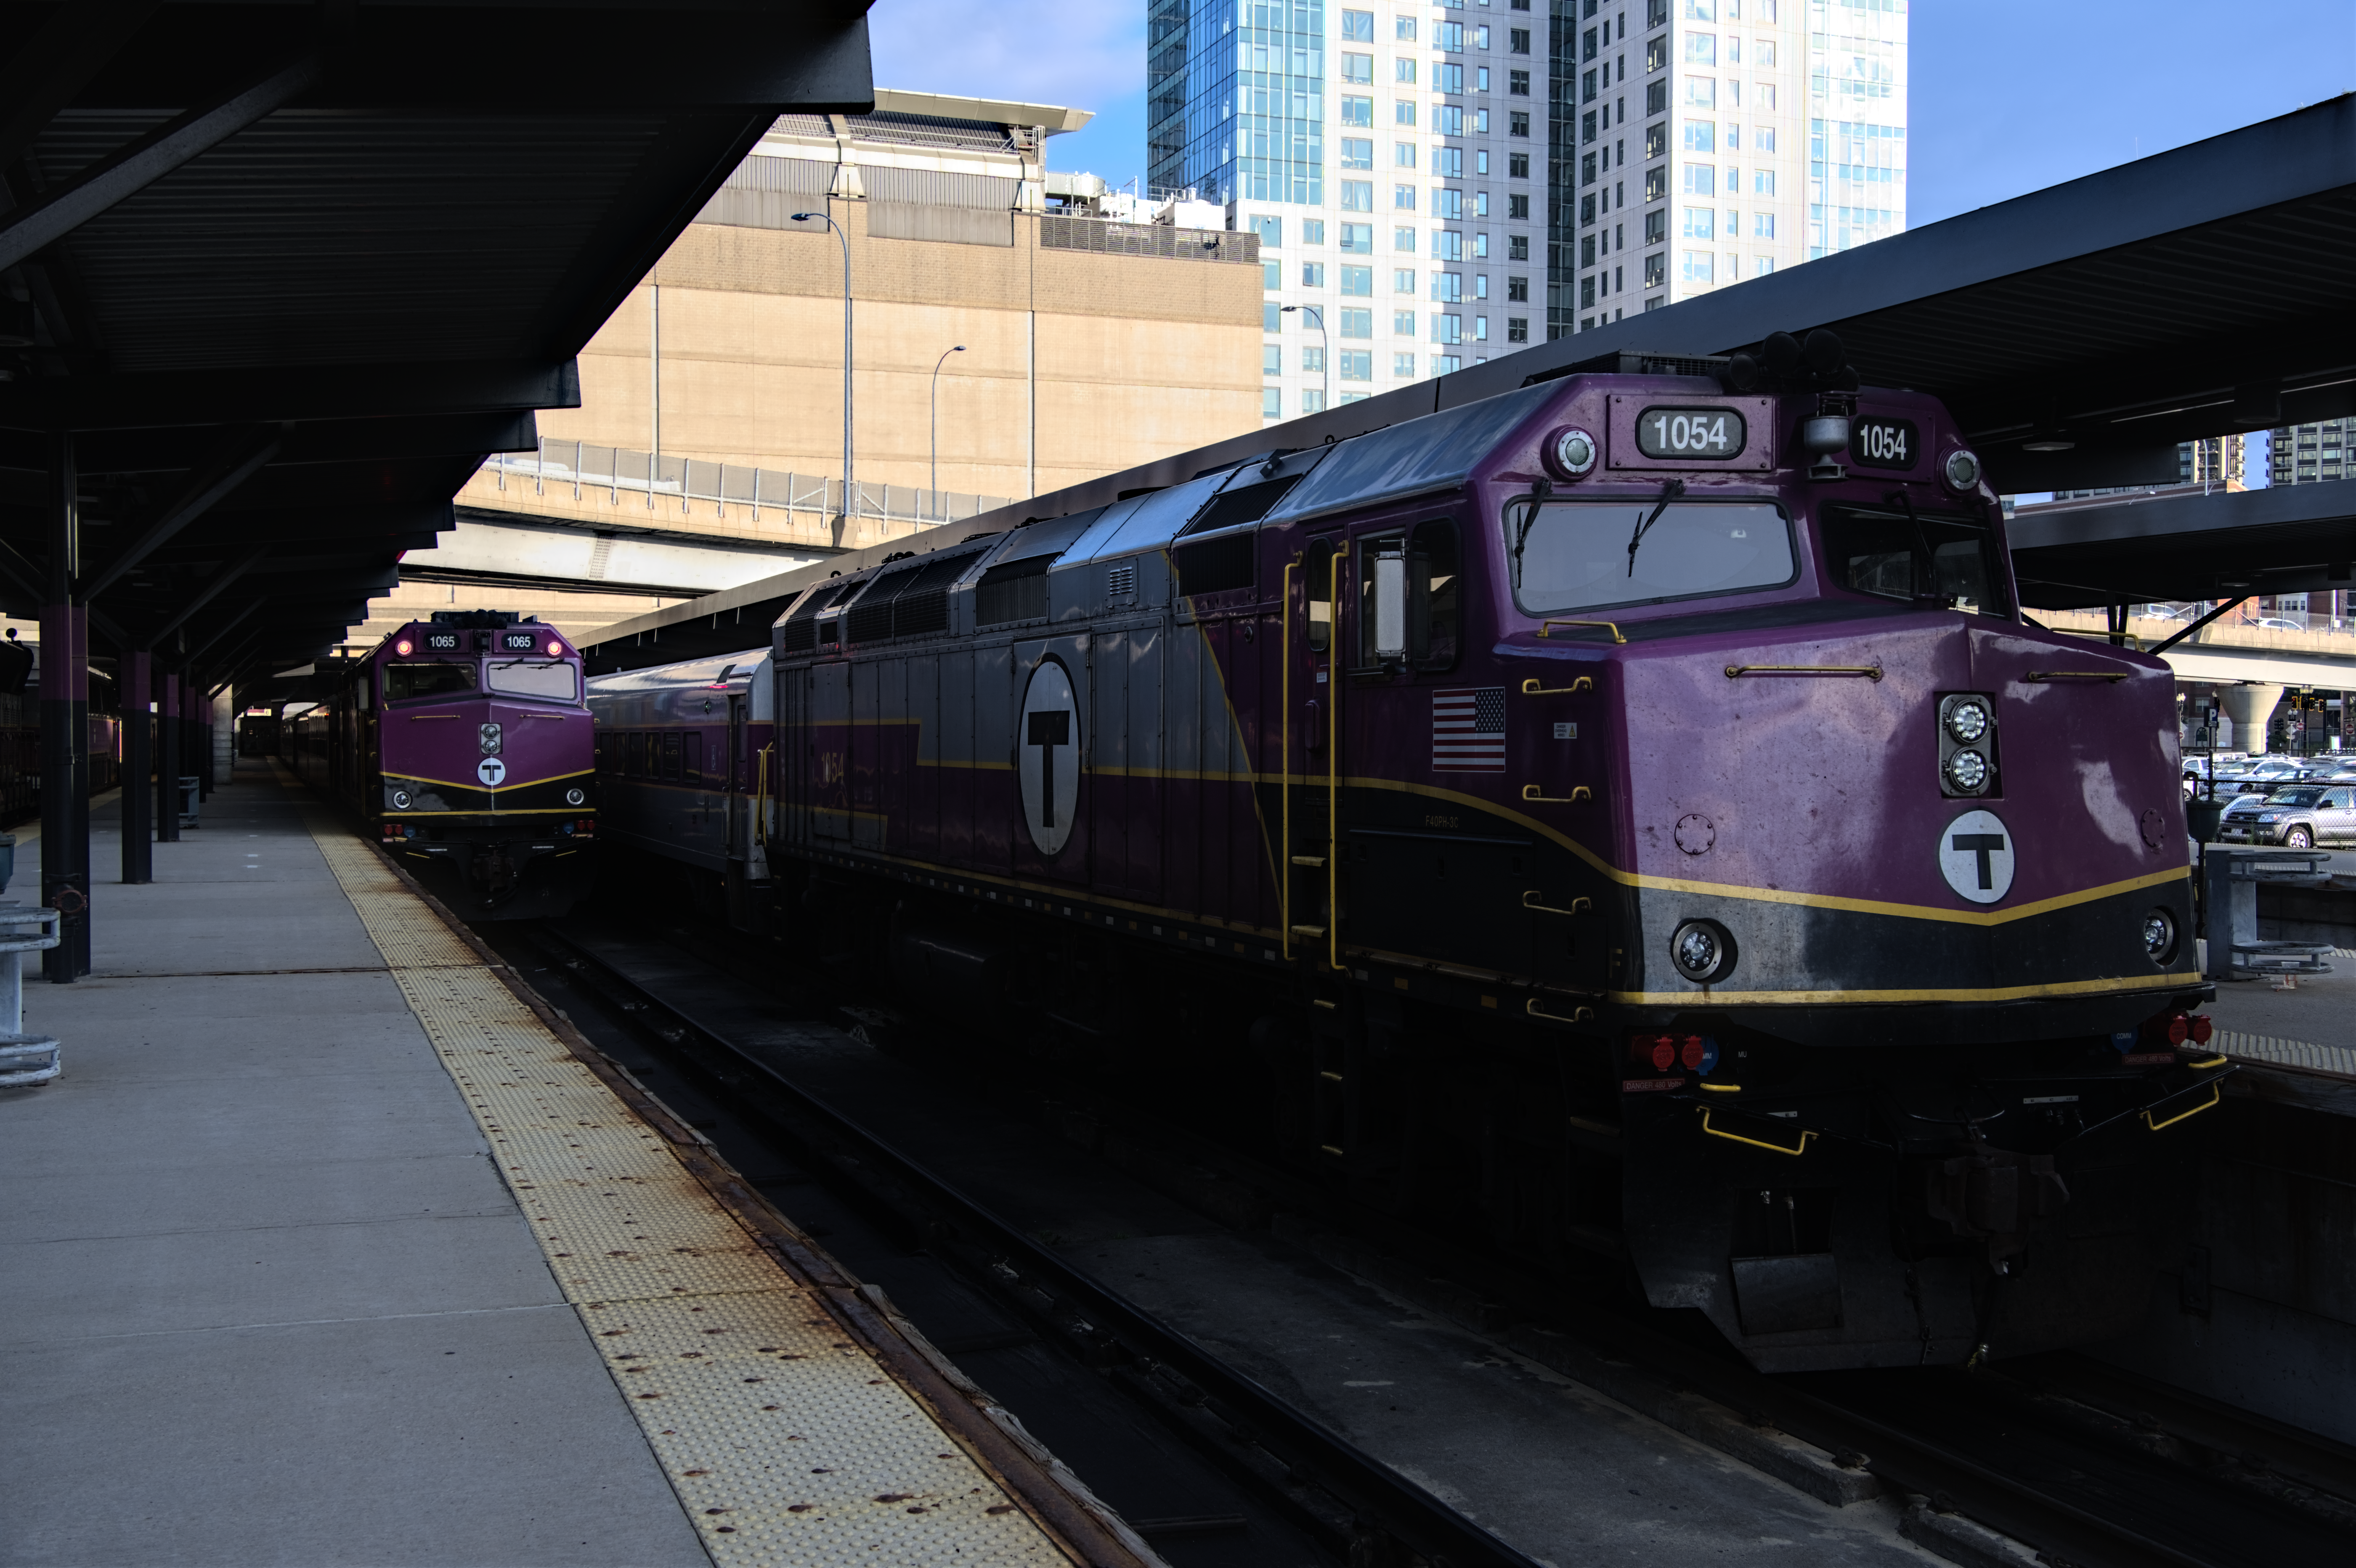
[1907, 555]
[1589, 555]
[552, 678]
[404, 682]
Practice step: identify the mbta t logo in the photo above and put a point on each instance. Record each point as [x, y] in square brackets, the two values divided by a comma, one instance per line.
[1976, 856]
[1047, 755]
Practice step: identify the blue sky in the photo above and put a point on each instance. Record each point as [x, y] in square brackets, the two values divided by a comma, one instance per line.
[2008, 95]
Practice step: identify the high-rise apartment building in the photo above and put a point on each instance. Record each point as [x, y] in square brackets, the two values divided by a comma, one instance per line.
[1393, 159]
[1704, 141]
[2308, 454]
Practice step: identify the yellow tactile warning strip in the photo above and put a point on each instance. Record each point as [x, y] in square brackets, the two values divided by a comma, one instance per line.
[787, 1441]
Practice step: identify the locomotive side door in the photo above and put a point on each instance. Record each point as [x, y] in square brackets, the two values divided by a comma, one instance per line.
[1310, 768]
[735, 783]
[826, 751]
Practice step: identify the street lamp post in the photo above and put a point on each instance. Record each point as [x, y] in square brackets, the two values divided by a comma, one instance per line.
[1324, 345]
[936, 417]
[850, 485]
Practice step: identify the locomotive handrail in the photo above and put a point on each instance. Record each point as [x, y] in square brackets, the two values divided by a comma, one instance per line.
[1870, 671]
[2216, 1092]
[761, 796]
[1284, 753]
[1531, 687]
[1805, 1134]
[1578, 1015]
[2044, 675]
[1577, 906]
[1607, 625]
[1577, 793]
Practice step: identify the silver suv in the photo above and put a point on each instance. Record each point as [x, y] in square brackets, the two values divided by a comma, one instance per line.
[2299, 818]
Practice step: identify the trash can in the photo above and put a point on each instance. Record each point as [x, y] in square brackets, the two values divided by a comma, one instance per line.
[2202, 817]
[190, 788]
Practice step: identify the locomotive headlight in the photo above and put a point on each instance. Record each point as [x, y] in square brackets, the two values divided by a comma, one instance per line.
[1967, 769]
[2159, 936]
[1963, 470]
[573, 797]
[555, 648]
[400, 800]
[1967, 721]
[1570, 452]
[1703, 951]
[402, 647]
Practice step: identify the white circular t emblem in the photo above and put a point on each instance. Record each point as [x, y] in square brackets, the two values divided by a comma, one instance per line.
[1976, 856]
[1047, 755]
[490, 770]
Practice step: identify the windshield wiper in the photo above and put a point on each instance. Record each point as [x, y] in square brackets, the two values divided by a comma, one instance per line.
[1670, 490]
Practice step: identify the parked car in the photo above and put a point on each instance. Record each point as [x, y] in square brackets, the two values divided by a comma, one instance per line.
[2276, 624]
[2299, 817]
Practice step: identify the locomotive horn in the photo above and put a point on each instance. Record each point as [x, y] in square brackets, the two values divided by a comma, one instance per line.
[1783, 352]
[1822, 352]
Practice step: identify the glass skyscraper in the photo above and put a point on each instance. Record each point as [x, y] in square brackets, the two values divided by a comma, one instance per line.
[1393, 160]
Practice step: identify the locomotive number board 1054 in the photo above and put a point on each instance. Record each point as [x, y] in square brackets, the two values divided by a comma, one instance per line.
[1884, 443]
[1731, 434]
[1712, 435]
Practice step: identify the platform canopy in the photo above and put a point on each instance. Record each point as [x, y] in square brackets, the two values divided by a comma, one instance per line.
[2187, 545]
[2196, 293]
[275, 277]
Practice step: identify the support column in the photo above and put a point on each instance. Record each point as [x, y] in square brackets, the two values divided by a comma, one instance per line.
[65, 729]
[138, 762]
[167, 757]
[192, 731]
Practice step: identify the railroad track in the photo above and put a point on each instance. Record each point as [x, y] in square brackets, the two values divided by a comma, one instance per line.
[1361, 1510]
[2072, 1466]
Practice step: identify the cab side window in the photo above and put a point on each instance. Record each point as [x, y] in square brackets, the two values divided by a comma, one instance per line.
[1435, 595]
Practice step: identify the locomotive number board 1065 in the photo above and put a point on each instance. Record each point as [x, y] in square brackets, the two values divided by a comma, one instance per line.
[518, 642]
[1884, 443]
[441, 642]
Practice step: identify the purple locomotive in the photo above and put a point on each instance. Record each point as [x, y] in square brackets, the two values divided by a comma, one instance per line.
[1627, 816]
[465, 743]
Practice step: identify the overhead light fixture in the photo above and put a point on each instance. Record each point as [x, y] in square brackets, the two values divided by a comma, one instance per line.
[2047, 445]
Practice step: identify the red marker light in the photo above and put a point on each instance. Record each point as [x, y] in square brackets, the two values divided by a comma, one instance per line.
[555, 648]
[2201, 1028]
[402, 647]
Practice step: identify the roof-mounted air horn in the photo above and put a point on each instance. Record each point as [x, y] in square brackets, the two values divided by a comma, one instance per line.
[1786, 364]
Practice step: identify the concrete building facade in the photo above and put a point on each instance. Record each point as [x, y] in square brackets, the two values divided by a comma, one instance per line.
[2310, 453]
[1391, 160]
[1056, 342]
[1704, 141]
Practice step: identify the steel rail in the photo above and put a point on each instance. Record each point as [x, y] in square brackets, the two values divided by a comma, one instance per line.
[1418, 1519]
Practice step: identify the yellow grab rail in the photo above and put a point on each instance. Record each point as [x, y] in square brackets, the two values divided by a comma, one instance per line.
[1805, 1134]
[1531, 687]
[1577, 793]
[1577, 906]
[1607, 625]
[2044, 675]
[1578, 1015]
[2216, 1092]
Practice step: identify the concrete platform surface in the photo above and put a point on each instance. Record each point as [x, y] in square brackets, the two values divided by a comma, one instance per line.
[267, 1300]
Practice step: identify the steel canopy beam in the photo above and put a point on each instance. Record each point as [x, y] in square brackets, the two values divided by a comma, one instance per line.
[237, 461]
[56, 62]
[212, 589]
[60, 212]
[247, 396]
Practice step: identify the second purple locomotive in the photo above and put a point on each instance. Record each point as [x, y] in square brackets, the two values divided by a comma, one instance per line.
[1628, 818]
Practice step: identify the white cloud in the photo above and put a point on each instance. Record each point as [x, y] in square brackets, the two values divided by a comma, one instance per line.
[1078, 53]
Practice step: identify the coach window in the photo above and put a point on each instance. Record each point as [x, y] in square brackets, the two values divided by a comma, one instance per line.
[1435, 595]
[633, 755]
[403, 682]
[692, 756]
[670, 755]
[1318, 581]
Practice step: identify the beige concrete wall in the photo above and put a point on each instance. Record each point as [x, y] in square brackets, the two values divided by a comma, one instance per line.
[1135, 357]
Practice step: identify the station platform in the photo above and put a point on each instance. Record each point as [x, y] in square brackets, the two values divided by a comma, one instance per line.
[332, 1245]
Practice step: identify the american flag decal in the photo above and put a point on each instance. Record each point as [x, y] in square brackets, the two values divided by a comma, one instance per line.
[1467, 730]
